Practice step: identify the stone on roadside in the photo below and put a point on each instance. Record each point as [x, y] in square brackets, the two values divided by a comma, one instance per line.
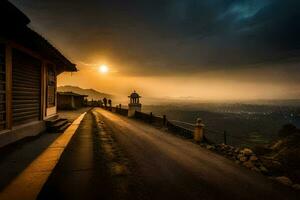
[277, 145]
[276, 163]
[253, 158]
[284, 180]
[248, 164]
[237, 150]
[255, 169]
[243, 158]
[263, 169]
[210, 147]
[296, 186]
[247, 152]
[202, 144]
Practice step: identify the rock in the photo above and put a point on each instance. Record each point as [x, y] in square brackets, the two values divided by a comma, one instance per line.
[202, 145]
[247, 152]
[277, 145]
[277, 163]
[253, 158]
[236, 150]
[210, 147]
[255, 169]
[296, 186]
[273, 166]
[243, 158]
[284, 180]
[237, 162]
[230, 148]
[271, 178]
[248, 164]
[263, 169]
[257, 163]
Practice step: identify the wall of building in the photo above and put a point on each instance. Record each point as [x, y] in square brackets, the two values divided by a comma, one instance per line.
[68, 102]
[11, 132]
[65, 102]
[78, 101]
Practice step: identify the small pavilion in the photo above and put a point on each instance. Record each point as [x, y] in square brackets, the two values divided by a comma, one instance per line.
[134, 104]
[134, 98]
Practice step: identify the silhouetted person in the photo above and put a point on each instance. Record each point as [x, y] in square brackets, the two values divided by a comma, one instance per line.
[109, 102]
[105, 102]
[100, 103]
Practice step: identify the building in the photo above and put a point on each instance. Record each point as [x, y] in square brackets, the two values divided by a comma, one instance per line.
[29, 65]
[70, 100]
[134, 104]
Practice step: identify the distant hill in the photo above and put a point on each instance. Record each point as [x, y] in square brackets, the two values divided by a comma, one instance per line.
[92, 94]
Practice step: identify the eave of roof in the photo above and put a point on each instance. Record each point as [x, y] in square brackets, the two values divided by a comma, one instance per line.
[50, 51]
[15, 29]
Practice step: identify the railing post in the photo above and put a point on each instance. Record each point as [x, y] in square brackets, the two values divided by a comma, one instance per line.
[164, 120]
[225, 137]
[198, 134]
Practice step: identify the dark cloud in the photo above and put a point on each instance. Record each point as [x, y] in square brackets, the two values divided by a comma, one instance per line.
[174, 36]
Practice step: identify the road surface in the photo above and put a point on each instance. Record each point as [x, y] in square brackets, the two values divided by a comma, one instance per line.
[113, 157]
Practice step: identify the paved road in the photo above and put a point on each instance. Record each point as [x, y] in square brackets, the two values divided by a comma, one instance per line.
[112, 157]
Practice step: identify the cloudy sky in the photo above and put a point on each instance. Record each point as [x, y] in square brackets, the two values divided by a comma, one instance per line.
[206, 49]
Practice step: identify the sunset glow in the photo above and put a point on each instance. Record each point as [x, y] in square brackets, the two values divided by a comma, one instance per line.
[103, 69]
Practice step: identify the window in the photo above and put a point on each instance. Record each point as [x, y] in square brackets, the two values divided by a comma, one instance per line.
[51, 86]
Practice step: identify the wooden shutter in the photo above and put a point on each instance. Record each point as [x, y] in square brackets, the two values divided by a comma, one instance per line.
[26, 91]
[51, 86]
[2, 88]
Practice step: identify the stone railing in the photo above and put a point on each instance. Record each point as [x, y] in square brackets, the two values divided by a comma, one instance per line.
[195, 132]
[150, 118]
[162, 121]
[121, 111]
[179, 130]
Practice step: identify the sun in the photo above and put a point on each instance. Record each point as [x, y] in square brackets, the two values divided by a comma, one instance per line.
[103, 69]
